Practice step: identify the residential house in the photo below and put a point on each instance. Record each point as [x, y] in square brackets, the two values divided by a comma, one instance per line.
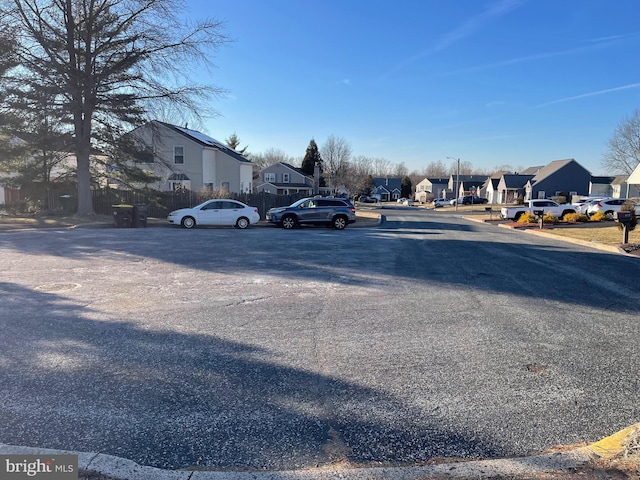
[634, 179]
[467, 184]
[386, 189]
[621, 188]
[566, 177]
[187, 159]
[601, 186]
[283, 179]
[511, 187]
[490, 190]
[614, 186]
[431, 188]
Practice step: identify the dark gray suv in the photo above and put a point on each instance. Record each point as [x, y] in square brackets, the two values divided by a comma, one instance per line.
[335, 212]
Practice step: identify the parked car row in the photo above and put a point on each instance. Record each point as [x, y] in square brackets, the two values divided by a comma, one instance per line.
[608, 206]
[335, 212]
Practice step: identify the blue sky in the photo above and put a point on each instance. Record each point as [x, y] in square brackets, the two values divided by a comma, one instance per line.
[493, 82]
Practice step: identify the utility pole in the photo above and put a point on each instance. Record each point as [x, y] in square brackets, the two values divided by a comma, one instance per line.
[457, 180]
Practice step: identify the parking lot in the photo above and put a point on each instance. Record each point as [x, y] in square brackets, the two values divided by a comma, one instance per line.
[430, 336]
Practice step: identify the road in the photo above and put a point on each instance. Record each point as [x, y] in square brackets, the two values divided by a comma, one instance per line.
[430, 336]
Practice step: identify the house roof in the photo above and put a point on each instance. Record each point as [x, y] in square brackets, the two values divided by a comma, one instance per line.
[602, 180]
[287, 185]
[469, 178]
[514, 182]
[551, 168]
[531, 170]
[435, 180]
[634, 178]
[389, 183]
[206, 141]
[178, 176]
[289, 166]
[619, 180]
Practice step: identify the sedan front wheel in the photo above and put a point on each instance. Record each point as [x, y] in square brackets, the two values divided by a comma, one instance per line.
[243, 222]
[188, 222]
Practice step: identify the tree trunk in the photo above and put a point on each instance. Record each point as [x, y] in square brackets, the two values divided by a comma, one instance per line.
[83, 150]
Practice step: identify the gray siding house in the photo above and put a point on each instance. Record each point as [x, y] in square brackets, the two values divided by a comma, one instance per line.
[466, 184]
[560, 176]
[614, 186]
[511, 187]
[187, 159]
[431, 187]
[283, 179]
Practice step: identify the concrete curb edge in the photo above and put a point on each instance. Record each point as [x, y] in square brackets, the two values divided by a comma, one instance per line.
[123, 469]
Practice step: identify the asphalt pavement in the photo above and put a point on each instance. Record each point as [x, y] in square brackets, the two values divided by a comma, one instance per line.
[304, 352]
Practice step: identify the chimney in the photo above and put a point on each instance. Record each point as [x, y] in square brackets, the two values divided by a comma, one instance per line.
[316, 178]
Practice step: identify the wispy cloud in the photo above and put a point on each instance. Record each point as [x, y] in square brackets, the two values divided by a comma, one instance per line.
[590, 94]
[474, 24]
[594, 44]
[465, 30]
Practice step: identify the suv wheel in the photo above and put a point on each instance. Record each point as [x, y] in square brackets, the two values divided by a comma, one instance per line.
[289, 222]
[339, 222]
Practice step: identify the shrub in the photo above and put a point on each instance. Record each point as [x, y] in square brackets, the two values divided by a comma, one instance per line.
[575, 217]
[527, 217]
[598, 217]
[550, 218]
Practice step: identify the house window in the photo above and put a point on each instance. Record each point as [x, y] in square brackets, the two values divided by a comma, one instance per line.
[208, 186]
[225, 186]
[542, 194]
[178, 155]
[285, 178]
[269, 177]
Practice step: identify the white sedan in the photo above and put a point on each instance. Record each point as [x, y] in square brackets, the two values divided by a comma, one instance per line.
[441, 202]
[219, 211]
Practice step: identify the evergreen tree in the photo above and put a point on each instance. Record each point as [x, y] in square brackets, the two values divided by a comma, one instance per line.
[311, 157]
[234, 142]
[405, 187]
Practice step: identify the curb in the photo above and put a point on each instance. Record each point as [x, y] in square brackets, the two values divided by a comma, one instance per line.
[575, 241]
[117, 468]
[615, 444]
[122, 469]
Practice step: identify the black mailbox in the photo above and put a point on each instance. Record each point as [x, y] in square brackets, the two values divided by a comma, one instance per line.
[622, 217]
[538, 213]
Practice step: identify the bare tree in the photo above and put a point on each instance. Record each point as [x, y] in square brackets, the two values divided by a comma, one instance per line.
[623, 154]
[114, 63]
[269, 157]
[335, 153]
[401, 170]
[436, 169]
[382, 167]
[466, 168]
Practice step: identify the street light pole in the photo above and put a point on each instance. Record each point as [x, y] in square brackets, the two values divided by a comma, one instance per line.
[457, 180]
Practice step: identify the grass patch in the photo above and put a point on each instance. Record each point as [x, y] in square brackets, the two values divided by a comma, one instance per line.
[609, 234]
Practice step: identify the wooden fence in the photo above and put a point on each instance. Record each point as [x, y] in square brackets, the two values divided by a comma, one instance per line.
[160, 203]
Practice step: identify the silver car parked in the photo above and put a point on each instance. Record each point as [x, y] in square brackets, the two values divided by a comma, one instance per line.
[335, 212]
